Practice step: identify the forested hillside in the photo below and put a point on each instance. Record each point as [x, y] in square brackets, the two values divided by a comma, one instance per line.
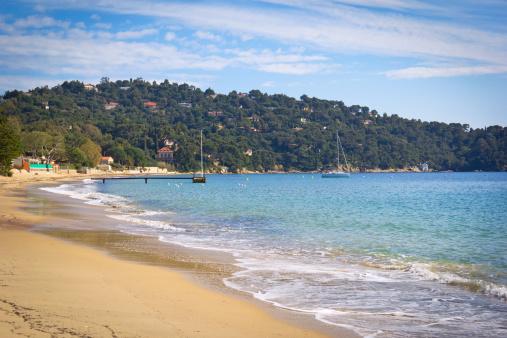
[130, 119]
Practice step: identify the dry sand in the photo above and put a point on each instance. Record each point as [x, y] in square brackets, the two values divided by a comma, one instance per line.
[52, 288]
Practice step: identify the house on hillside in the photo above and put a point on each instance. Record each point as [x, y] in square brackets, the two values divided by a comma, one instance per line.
[106, 160]
[185, 104]
[89, 86]
[215, 113]
[105, 163]
[150, 104]
[111, 105]
[166, 153]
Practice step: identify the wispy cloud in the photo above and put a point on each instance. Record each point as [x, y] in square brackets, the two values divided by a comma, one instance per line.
[136, 34]
[35, 21]
[333, 26]
[208, 36]
[103, 25]
[429, 72]
[88, 53]
[169, 36]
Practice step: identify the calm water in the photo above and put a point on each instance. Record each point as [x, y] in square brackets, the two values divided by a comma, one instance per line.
[385, 254]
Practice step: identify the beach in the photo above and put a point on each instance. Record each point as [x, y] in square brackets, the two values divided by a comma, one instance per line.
[390, 255]
[52, 287]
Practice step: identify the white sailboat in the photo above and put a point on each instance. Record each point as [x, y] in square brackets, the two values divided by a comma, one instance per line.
[202, 177]
[338, 173]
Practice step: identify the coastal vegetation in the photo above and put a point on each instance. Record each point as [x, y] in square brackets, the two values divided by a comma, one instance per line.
[10, 145]
[129, 120]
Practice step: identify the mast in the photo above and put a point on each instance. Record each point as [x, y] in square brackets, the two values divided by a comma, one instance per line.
[202, 165]
[338, 151]
[341, 147]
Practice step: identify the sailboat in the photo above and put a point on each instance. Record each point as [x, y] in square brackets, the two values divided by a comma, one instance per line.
[338, 173]
[201, 178]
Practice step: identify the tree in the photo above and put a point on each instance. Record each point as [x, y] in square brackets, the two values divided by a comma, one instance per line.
[10, 144]
[91, 151]
[44, 145]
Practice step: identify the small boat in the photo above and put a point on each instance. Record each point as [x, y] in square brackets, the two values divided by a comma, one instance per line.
[202, 177]
[338, 173]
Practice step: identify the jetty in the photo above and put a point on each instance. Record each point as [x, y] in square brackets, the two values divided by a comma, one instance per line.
[146, 178]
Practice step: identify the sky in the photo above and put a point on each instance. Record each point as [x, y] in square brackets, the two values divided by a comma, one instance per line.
[430, 60]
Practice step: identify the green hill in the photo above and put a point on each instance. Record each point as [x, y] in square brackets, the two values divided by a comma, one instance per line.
[77, 124]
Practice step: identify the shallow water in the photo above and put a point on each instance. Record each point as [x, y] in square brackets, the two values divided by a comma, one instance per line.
[385, 254]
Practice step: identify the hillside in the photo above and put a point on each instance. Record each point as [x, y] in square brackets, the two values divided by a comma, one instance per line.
[130, 119]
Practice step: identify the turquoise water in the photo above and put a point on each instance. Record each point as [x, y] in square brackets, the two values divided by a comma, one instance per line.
[384, 254]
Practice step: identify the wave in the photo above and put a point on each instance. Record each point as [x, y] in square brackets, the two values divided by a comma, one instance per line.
[87, 192]
[427, 271]
[146, 222]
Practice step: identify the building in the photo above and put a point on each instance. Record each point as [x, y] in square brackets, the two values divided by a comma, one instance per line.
[38, 167]
[108, 160]
[150, 104]
[89, 86]
[248, 152]
[185, 105]
[425, 167]
[216, 113]
[111, 105]
[166, 153]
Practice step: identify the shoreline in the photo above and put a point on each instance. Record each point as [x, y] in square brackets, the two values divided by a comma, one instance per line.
[278, 322]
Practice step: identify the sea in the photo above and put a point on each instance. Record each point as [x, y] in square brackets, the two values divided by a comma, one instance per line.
[383, 254]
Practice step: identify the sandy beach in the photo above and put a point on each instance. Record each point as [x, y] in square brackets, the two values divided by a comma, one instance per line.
[55, 288]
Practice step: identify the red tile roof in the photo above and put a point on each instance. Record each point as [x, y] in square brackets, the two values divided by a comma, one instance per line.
[165, 150]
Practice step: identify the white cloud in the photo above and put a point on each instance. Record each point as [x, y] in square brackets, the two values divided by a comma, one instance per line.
[334, 28]
[169, 36]
[386, 4]
[95, 17]
[88, 54]
[35, 21]
[103, 25]
[429, 72]
[133, 34]
[208, 36]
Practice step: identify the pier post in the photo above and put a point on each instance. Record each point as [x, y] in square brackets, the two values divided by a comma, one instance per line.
[145, 180]
[103, 180]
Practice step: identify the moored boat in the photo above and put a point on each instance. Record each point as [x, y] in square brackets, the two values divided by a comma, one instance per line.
[338, 173]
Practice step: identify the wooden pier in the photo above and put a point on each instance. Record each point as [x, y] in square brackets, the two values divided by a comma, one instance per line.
[194, 179]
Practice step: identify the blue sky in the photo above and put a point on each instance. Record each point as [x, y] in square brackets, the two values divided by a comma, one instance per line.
[418, 59]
